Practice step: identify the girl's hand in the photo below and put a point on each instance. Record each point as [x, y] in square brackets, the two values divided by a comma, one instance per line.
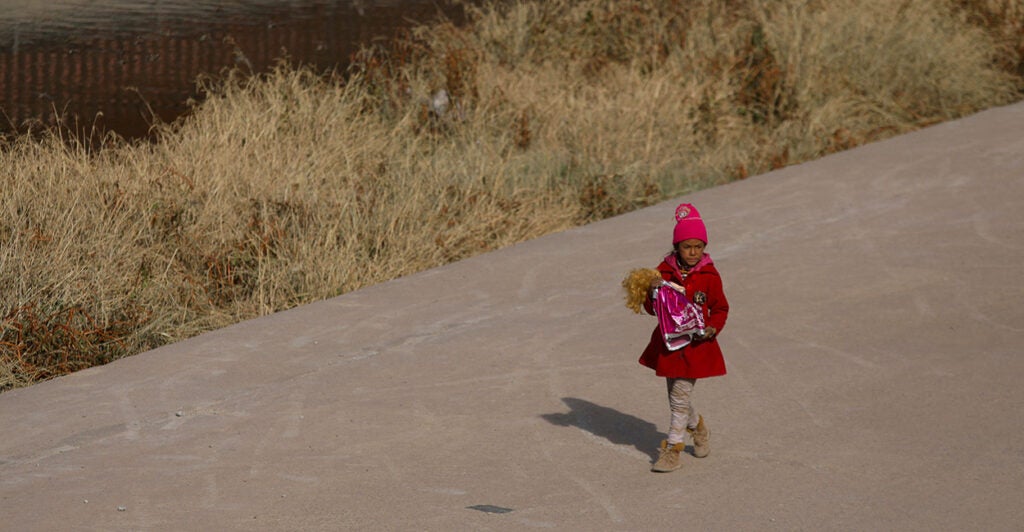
[709, 333]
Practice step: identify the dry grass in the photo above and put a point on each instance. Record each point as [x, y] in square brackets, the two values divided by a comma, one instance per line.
[293, 187]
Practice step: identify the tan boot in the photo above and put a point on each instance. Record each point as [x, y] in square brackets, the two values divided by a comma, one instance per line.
[669, 458]
[701, 438]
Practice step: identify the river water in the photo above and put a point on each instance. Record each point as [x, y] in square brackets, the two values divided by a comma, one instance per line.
[116, 64]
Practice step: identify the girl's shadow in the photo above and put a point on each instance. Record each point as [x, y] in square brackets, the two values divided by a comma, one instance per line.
[610, 424]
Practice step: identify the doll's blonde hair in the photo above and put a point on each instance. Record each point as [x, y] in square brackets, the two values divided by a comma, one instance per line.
[638, 285]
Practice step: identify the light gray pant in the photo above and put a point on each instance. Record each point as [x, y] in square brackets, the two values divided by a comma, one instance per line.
[683, 415]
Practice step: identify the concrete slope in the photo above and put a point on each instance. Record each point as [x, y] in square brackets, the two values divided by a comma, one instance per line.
[874, 352]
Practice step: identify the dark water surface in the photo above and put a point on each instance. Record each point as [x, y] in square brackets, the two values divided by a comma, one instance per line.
[115, 64]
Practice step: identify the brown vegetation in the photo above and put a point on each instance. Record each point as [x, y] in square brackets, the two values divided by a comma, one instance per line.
[292, 187]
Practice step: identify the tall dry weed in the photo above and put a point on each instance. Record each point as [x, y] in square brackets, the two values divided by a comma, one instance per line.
[536, 116]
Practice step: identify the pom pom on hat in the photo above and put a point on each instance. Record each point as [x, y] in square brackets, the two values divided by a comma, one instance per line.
[688, 225]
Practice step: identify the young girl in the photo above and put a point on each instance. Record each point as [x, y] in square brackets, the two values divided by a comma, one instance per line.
[690, 267]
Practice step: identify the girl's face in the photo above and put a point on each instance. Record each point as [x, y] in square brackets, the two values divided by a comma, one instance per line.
[690, 251]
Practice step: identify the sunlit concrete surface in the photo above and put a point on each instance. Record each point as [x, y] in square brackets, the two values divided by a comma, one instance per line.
[875, 366]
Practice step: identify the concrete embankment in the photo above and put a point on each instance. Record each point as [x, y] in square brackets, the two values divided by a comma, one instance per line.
[874, 362]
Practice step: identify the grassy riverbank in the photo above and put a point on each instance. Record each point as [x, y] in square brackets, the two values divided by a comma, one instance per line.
[293, 187]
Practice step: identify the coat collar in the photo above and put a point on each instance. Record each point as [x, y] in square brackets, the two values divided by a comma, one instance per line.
[704, 262]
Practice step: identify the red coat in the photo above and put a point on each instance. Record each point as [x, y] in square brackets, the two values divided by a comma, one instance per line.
[701, 358]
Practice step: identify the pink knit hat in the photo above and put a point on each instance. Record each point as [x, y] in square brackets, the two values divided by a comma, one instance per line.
[689, 225]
